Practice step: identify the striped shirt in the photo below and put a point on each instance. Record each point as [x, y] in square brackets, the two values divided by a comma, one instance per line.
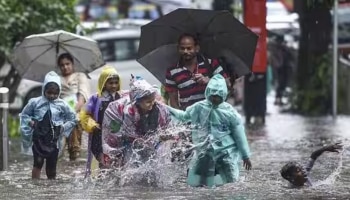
[179, 78]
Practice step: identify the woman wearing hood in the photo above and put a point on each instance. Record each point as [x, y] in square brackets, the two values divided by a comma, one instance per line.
[42, 121]
[219, 137]
[91, 115]
[138, 116]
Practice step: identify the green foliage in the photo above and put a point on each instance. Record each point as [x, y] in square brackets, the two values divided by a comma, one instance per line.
[343, 90]
[314, 97]
[13, 126]
[20, 18]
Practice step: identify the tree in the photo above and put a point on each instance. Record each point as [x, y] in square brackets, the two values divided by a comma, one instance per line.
[20, 18]
[312, 94]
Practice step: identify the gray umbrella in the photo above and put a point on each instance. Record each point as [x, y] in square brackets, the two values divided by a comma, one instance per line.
[37, 54]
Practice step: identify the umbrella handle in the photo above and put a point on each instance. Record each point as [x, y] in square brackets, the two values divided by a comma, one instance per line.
[57, 48]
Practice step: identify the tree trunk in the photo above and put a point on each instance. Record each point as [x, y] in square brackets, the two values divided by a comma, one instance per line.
[313, 79]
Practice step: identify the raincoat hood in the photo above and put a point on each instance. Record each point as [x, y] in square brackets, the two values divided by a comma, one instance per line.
[216, 86]
[140, 88]
[107, 73]
[51, 77]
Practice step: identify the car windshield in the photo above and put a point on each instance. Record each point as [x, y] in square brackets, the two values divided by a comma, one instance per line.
[119, 49]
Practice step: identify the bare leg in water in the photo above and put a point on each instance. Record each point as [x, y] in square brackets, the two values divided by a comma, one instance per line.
[36, 173]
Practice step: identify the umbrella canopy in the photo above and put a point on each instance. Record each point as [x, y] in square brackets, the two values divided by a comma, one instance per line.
[37, 54]
[219, 34]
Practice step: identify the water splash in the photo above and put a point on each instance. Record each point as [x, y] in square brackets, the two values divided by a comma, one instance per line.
[333, 177]
[151, 162]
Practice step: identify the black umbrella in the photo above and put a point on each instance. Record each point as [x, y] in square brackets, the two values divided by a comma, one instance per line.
[219, 33]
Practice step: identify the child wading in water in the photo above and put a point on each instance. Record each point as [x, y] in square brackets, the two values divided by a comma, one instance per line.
[298, 175]
[218, 136]
[91, 116]
[42, 121]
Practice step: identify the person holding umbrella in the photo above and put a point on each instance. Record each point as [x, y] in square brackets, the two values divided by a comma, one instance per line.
[58, 51]
[196, 35]
[75, 90]
[186, 81]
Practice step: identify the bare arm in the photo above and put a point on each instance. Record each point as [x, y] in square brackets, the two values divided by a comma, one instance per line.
[174, 100]
[331, 148]
[83, 91]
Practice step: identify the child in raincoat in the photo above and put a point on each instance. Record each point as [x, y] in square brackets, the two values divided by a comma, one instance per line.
[91, 115]
[138, 116]
[42, 121]
[219, 137]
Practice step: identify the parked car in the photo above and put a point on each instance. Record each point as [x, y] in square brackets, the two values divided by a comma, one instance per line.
[279, 18]
[119, 48]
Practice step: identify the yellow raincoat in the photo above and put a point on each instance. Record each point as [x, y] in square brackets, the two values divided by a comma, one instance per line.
[89, 115]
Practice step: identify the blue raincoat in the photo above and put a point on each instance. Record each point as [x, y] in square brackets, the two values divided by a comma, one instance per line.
[62, 114]
[218, 136]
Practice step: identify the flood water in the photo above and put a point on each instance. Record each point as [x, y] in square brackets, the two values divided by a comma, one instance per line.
[285, 138]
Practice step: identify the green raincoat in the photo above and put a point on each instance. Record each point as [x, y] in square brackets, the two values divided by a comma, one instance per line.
[219, 138]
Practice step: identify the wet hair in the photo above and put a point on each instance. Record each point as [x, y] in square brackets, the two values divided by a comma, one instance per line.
[288, 170]
[184, 35]
[63, 56]
[51, 85]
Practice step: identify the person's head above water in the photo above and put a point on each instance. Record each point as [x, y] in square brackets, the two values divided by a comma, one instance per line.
[294, 173]
[188, 47]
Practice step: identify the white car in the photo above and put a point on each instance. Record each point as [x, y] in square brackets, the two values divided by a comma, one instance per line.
[278, 17]
[119, 49]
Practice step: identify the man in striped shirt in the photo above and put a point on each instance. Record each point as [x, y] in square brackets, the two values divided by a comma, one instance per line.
[187, 80]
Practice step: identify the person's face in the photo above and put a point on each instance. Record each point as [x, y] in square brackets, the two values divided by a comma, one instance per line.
[52, 92]
[187, 49]
[216, 100]
[112, 85]
[146, 104]
[299, 177]
[66, 66]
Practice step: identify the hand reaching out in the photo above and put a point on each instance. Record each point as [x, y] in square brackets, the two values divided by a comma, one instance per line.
[334, 148]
